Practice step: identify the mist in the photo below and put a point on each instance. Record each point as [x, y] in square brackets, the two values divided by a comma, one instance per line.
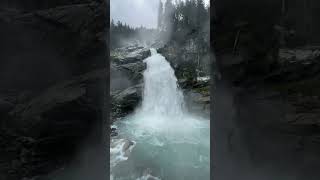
[135, 13]
[138, 12]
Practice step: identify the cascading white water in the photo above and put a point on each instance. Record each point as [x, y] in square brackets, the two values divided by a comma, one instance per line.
[169, 142]
[161, 96]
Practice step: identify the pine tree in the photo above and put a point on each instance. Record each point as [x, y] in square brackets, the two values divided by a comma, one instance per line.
[201, 13]
[112, 25]
[160, 15]
[168, 15]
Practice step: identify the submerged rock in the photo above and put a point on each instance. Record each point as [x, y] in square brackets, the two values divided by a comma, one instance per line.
[113, 132]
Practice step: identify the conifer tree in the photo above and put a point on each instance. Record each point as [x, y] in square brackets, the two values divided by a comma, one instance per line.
[160, 15]
[168, 15]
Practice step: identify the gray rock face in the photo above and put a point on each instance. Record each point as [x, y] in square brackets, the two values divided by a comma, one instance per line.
[63, 115]
[56, 83]
[131, 71]
[265, 109]
[127, 68]
[198, 103]
[187, 60]
[129, 55]
[57, 95]
[270, 115]
[124, 102]
[69, 38]
[298, 55]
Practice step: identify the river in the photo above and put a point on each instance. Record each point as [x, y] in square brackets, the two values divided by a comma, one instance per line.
[161, 139]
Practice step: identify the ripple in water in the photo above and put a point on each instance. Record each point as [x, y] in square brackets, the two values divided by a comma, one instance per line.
[168, 142]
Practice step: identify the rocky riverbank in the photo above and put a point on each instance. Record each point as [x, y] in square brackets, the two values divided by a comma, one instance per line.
[127, 67]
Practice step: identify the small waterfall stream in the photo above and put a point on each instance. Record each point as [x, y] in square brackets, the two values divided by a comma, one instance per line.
[166, 142]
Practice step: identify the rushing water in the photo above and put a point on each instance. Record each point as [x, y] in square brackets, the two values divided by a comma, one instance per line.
[167, 142]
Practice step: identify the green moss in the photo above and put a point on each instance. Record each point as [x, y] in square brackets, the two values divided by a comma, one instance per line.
[115, 56]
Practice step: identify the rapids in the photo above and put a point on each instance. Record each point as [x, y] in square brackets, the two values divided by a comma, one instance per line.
[168, 143]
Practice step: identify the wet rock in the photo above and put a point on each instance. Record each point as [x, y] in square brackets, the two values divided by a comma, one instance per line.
[131, 71]
[113, 132]
[135, 67]
[132, 48]
[298, 55]
[125, 56]
[126, 101]
[120, 150]
[198, 103]
[186, 60]
[146, 175]
[126, 148]
[127, 67]
[158, 45]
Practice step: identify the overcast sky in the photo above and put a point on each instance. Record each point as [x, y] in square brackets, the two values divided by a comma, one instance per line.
[136, 12]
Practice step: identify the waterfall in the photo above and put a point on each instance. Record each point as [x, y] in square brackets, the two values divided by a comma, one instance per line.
[162, 110]
[169, 143]
[161, 95]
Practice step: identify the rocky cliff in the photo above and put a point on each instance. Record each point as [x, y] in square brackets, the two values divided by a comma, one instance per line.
[53, 75]
[127, 68]
[266, 100]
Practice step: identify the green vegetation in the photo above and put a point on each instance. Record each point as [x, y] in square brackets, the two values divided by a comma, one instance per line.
[177, 22]
[122, 34]
[184, 20]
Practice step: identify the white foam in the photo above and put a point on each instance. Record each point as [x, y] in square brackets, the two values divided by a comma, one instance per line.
[117, 151]
[148, 177]
[164, 131]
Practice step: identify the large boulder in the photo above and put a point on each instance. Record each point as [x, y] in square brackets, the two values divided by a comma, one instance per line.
[197, 97]
[127, 66]
[129, 55]
[131, 72]
[124, 102]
